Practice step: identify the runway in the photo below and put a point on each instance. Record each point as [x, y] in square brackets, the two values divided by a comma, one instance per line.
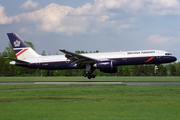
[92, 83]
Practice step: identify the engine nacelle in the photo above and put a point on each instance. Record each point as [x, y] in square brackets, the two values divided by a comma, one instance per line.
[106, 66]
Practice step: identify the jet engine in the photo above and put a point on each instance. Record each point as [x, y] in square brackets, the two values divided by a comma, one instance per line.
[106, 66]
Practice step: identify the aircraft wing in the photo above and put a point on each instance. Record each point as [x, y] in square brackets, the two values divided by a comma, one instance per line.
[77, 58]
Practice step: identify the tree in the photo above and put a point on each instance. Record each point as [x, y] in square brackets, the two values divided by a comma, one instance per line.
[177, 66]
[141, 70]
[173, 70]
[150, 70]
[1, 63]
[162, 71]
[9, 70]
[43, 53]
[9, 52]
[125, 71]
[135, 70]
[30, 44]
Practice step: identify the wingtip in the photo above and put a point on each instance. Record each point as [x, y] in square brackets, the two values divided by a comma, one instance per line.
[61, 49]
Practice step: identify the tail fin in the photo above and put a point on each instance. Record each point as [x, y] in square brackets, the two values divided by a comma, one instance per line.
[21, 49]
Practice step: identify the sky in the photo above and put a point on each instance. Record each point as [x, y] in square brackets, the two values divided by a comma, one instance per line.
[90, 25]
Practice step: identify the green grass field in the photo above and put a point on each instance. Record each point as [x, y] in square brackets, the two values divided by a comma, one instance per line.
[87, 102]
[85, 79]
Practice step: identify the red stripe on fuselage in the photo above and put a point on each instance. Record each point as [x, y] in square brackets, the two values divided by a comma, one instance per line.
[22, 51]
[149, 59]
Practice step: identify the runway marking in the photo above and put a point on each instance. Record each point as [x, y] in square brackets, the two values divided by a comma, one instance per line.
[77, 83]
[91, 82]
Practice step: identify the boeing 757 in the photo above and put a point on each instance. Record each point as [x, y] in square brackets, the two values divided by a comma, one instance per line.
[106, 62]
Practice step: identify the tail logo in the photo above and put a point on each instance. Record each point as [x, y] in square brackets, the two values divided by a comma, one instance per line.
[17, 43]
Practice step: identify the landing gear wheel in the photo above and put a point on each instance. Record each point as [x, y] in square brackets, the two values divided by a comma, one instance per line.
[93, 76]
[89, 76]
[85, 75]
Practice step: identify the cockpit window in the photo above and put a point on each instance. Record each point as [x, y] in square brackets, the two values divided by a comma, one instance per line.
[168, 54]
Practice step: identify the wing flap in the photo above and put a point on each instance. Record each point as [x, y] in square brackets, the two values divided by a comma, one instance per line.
[77, 58]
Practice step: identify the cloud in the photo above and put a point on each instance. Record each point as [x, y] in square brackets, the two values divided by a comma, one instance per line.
[157, 7]
[64, 19]
[161, 42]
[163, 7]
[121, 4]
[158, 39]
[29, 5]
[100, 16]
[164, 3]
[4, 19]
[52, 18]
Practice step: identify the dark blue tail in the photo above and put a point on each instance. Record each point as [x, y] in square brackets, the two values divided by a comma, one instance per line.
[16, 41]
[22, 50]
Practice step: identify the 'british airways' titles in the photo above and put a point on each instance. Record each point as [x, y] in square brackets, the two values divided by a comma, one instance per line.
[142, 52]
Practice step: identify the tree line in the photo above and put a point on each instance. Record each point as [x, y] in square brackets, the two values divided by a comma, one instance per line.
[6, 69]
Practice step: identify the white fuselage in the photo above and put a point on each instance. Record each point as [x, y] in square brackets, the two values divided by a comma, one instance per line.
[101, 56]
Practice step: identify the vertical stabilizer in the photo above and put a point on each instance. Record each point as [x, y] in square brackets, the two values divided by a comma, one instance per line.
[21, 49]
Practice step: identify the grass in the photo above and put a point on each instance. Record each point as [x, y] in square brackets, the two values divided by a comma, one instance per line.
[87, 102]
[85, 79]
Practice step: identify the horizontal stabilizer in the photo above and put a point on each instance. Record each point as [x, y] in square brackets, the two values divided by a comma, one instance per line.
[17, 61]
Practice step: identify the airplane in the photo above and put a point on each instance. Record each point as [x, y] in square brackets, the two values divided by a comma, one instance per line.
[106, 62]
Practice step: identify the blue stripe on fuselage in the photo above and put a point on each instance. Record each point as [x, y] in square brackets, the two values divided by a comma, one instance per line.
[54, 65]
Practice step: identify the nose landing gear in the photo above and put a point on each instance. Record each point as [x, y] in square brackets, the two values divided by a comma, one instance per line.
[155, 68]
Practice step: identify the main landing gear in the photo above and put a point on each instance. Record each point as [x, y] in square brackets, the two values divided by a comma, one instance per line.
[89, 71]
[89, 75]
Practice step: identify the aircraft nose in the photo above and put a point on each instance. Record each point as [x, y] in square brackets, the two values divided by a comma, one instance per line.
[173, 59]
